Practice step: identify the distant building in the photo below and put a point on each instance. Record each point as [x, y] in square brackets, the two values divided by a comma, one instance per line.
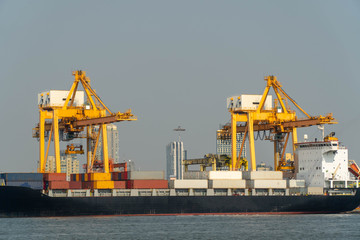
[175, 154]
[223, 144]
[68, 163]
[113, 143]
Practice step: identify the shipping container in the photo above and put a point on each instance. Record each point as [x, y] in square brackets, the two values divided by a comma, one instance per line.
[188, 184]
[57, 185]
[293, 183]
[147, 184]
[229, 183]
[54, 177]
[23, 176]
[273, 184]
[103, 184]
[73, 177]
[141, 175]
[87, 185]
[315, 190]
[99, 177]
[116, 176]
[225, 175]
[124, 175]
[119, 184]
[38, 185]
[263, 175]
[84, 177]
[196, 175]
[75, 185]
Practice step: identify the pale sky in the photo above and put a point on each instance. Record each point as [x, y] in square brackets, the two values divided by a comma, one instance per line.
[175, 63]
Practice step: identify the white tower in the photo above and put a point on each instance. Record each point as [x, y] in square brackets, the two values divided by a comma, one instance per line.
[175, 154]
[113, 142]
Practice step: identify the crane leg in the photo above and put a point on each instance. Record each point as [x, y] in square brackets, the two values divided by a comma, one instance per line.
[88, 147]
[41, 143]
[105, 149]
[56, 141]
[233, 141]
[251, 141]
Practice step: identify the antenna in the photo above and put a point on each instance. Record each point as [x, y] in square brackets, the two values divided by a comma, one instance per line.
[179, 129]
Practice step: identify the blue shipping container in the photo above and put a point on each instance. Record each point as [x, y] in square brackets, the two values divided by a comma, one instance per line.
[30, 184]
[32, 177]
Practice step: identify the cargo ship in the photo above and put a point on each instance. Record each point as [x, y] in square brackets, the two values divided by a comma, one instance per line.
[147, 193]
[316, 180]
[27, 202]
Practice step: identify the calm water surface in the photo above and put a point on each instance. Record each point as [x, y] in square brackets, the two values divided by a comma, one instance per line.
[333, 226]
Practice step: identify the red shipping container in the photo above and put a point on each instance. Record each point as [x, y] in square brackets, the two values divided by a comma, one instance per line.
[54, 177]
[119, 184]
[58, 185]
[124, 175]
[116, 176]
[75, 185]
[87, 185]
[147, 184]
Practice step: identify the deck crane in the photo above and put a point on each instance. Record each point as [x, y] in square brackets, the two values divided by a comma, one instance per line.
[215, 161]
[69, 120]
[280, 121]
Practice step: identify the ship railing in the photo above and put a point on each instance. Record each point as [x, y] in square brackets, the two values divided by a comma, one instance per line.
[341, 191]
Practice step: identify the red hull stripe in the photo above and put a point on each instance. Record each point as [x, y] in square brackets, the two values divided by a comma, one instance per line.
[201, 214]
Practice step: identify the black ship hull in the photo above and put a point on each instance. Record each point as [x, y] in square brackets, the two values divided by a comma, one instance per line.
[26, 202]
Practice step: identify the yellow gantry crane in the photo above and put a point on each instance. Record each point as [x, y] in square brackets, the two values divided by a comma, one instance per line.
[279, 120]
[68, 120]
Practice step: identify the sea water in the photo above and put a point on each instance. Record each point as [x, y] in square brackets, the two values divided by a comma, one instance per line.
[316, 226]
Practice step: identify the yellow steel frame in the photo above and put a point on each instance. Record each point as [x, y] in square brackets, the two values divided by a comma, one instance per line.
[254, 117]
[70, 114]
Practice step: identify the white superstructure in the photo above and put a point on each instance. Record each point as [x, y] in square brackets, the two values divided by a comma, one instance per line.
[322, 163]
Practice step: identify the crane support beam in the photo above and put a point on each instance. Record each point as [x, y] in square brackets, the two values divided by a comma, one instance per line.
[118, 117]
[105, 120]
[287, 125]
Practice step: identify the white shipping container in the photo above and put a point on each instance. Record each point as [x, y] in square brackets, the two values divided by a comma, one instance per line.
[230, 183]
[57, 98]
[196, 175]
[186, 184]
[273, 184]
[225, 175]
[315, 190]
[146, 175]
[263, 175]
[293, 183]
